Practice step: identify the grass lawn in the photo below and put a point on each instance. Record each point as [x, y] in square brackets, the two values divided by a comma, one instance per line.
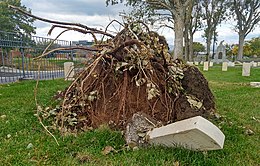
[236, 101]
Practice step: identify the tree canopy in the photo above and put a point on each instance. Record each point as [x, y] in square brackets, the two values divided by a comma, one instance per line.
[12, 21]
[247, 15]
[173, 10]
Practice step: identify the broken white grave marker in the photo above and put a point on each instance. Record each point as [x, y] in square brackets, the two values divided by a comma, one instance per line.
[195, 133]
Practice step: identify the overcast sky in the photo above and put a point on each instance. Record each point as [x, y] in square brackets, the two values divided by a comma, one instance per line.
[94, 13]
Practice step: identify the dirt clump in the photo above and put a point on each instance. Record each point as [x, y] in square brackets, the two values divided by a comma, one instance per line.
[133, 72]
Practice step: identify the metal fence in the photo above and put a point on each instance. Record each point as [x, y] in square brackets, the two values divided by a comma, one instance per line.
[17, 53]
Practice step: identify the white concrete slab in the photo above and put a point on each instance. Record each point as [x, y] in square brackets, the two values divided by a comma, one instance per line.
[206, 66]
[69, 71]
[246, 69]
[224, 66]
[195, 133]
[255, 84]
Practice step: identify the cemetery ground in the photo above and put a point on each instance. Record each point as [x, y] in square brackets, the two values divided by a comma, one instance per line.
[23, 141]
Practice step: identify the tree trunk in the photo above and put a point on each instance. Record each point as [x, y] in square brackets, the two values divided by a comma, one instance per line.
[191, 47]
[186, 45]
[178, 40]
[208, 49]
[240, 46]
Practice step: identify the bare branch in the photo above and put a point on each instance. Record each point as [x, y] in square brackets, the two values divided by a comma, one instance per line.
[59, 22]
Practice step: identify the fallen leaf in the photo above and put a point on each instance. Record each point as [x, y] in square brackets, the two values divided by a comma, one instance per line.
[249, 132]
[9, 136]
[29, 146]
[107, 150]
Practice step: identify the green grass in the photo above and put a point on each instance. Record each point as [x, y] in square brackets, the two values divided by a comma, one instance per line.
[235, 99]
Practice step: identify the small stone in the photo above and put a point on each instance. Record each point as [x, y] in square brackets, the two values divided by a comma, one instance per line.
[135, 148]
[249, 132]
[29, 146]
[9, 136]
[3, 116]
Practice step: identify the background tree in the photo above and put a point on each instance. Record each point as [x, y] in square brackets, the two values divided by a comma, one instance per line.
[255, 46]
[213, 14]
[13, 21]
[247, 15]
[198, 47]
[192, 24]
[174, 10]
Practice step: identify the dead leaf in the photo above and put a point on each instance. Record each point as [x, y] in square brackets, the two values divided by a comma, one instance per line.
[107, 150]
[249, 132]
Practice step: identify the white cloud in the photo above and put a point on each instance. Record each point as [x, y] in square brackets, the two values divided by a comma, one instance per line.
[94, 13]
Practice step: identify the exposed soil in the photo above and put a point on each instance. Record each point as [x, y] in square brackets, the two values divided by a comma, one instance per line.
[133, 72]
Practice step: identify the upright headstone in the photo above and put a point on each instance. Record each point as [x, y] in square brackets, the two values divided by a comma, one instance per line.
[201, 62]
[69, 71]
[246, 69]
[196, 63]
[258, 63]
[210, 64]
[254, 64]
[224, 66]
[206, 66]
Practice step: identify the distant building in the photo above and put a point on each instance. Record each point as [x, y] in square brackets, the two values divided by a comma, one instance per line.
[82, 43]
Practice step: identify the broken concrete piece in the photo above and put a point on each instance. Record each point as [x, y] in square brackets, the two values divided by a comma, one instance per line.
[255, 84]
[137, 129]
[195, 133]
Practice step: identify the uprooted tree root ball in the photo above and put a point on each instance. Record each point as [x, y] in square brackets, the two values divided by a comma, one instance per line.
[133, 72]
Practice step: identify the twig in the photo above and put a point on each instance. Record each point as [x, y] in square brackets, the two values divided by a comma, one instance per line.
[67, 48]
[74, 29]
[59, 22]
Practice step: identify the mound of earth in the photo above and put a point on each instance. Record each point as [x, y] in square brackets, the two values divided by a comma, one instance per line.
[133, 72]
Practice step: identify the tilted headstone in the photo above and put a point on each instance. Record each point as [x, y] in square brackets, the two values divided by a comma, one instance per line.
[206, 66]
[246, 69]
[201, 62]
[224, 66]
[69, 71]
[195, 133]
